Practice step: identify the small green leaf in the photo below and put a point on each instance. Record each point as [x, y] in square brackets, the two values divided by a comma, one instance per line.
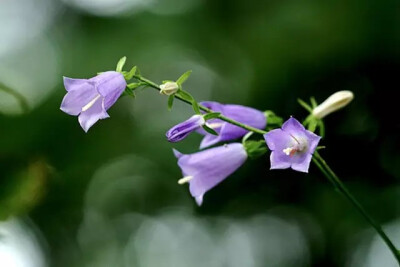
[312, 125]
[183, 77]
[314, 103]
[121, 64]
[129, 75]
[133, 86]
[196, 107]
[170, 102]
[185, 96]
[209, 130]
[305, 105]
[129, 92]
[273, 119]
[255, 149]
[211, 115]
[321, 126]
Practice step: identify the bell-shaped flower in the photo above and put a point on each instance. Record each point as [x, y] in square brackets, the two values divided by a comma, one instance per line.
[205, 169]
[333, 103]
[291, 146]
[183, 129]
[89, 99]
[227, 131]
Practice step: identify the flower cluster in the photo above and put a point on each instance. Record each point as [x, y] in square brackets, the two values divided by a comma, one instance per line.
[291, 145]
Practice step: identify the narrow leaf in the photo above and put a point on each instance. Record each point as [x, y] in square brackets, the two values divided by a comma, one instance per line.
[186, 96]
[212, 115]
[170, 102]
[183, 77]
[131, 73]
[209, 130]
[196, 107]
[314, 103]
[121, 64]
[304, 105]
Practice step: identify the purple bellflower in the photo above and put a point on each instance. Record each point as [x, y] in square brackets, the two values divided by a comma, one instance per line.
[205, 169]
[291, 146]
[181, 130]
[227, 131]
[89, 99]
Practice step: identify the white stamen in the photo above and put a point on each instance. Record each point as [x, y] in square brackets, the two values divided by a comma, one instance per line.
[91, 103]
[185, 179]
[288, 150]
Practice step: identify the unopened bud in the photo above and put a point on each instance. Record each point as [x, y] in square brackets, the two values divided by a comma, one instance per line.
[169, 88]
[335, 102]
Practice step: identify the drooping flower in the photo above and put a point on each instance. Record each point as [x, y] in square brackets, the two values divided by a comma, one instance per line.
[205, 169]
[335, 102]
[169, 88]
[291, 146]
[227, 131]
[183, 129]
[89, 99]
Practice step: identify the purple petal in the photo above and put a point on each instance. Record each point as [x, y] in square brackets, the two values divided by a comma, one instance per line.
[210, 167]
[111, 85]
[180, 131]
[71, 84]
[214, 106]
[303, 164]
[77, 98]
[92, 115]
[277, 139]
[293, 126]
[209, 140]
[177, 154]
[313, 141]
[279, 160]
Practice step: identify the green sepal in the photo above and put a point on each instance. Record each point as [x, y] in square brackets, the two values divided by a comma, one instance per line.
[129, 92]
[209, 130]
[314, 103]
[196, 107]
[211, 115]
[121, 64]
[255, 149]
[170, 102]
[312, 125]
[166, 81]
[304, 105]
[133, 86]
[129, 75]
[183, 77]
[272, 118]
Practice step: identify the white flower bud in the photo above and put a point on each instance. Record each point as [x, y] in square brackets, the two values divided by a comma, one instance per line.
[169, 88]
[335, 102]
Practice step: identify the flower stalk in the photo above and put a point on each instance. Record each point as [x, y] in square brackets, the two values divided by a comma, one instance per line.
[317, 159]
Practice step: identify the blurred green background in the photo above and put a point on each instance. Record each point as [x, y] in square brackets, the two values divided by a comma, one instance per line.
[111, 198]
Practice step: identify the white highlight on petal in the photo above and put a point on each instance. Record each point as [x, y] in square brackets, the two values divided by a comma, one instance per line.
[91, 103]
[185, 179]
[336, 101]
[215, 125]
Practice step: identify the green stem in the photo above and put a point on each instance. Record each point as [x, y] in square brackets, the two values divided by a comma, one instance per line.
[318, 161]
[221, 117]
[20, 98]
[327, 171]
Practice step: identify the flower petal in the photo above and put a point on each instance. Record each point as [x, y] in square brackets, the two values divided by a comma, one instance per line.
[183, 129]
[77, 98]
[293, 126]
[92, 115]
[303, 164]
[111, 85]
[278, 140]
[279, 160]
[209, 140]
[71, 84]
[313, 141]
[210, 167]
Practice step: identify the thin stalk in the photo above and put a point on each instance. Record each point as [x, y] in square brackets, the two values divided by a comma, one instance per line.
[318, 161]
[221, 117]
[328, 172]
